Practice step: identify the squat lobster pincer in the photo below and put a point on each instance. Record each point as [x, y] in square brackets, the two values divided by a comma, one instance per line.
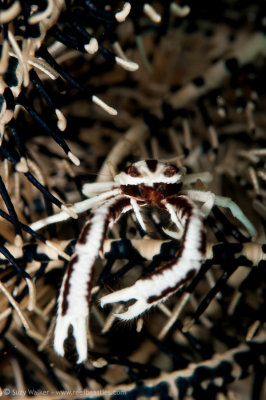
[143, 183]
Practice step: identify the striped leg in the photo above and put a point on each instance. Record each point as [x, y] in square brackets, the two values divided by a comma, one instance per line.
[157, 286]
[210, 199]
[73, 302]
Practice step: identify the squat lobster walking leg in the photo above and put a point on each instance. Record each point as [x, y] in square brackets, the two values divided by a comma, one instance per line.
[210, 199]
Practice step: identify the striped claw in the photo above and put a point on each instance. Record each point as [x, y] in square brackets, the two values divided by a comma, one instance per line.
[164, 281]
[125, 295]
[79, 325]
[153, 289]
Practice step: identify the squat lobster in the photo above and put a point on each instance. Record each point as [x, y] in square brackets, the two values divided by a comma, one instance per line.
[147, 182]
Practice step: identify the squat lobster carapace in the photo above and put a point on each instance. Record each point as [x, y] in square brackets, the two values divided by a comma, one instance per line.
[143, 183]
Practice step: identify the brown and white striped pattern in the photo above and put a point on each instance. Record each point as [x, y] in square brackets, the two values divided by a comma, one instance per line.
[157, 286]
[147, 182]
[73, 302]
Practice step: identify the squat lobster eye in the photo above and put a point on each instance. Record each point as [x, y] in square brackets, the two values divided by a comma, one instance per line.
[132, 171]
[170, 171]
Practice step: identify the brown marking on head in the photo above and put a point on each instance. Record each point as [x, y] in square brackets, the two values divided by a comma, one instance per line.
[152, 165]
[131, 190]
[154, 194]
[168, 189]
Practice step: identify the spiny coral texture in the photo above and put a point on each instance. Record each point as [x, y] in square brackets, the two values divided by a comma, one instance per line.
[197, 99]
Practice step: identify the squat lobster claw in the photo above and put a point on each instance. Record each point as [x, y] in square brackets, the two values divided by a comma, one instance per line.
[147, 182]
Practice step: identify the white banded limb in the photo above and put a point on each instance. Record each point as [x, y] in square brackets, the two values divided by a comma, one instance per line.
[157, 286]
[73, 302]
[210, 199]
